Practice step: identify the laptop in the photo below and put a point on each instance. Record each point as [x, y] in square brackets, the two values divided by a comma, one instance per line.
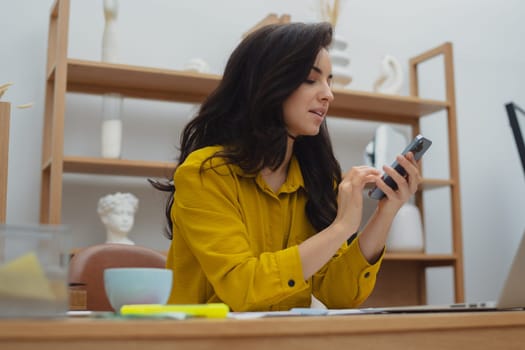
[517, 121]
[511, 296]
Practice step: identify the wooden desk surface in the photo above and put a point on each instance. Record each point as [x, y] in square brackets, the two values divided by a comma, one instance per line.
[475, 330]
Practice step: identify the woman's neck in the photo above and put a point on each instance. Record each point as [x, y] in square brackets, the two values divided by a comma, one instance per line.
[276, 178]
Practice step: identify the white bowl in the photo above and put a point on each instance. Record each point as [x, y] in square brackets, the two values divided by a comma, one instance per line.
[137, 285]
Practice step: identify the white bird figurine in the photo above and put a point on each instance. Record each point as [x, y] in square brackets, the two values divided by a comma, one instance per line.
[391, 77]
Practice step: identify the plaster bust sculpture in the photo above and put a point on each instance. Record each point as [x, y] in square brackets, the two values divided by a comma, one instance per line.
[117, 213]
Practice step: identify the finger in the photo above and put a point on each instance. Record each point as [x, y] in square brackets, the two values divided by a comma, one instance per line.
[398, 178]
[361, 175]
[359, 169]
[372, 178]
[412, 158]
[387, 190]
[371, 175]
[411, 169]
[401, 181]
[408, 164]
[361, 181]
[413, 174]
[364, 167]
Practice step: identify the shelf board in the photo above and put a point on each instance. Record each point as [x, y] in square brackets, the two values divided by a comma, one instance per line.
[423, 258]
[125, 167]
[429, 184]
[182, 86]
[139, 82]
[382, 107]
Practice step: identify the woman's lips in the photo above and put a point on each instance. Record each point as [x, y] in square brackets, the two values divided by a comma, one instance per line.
[319, 112]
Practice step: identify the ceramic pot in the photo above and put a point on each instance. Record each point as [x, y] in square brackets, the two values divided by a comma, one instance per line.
[340, 62]
[406, 233]
[111, 138]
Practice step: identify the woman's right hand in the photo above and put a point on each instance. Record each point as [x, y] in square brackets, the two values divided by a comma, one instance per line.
[350, 196]
[320, 248]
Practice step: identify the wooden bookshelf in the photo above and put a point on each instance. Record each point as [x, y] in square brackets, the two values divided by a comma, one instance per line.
[402, 273]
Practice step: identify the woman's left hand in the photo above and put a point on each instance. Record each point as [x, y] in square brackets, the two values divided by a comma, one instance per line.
[407, 185]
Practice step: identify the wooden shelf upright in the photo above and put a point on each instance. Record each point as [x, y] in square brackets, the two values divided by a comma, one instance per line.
[5, 110]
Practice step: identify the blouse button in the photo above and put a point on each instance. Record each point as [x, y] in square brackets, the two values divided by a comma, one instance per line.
[291, 283]
[367, 274]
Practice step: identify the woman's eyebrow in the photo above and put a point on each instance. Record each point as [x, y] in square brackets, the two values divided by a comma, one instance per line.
[318, 70]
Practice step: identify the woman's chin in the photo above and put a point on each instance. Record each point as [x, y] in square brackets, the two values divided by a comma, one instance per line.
[311, 132]
[314, 132]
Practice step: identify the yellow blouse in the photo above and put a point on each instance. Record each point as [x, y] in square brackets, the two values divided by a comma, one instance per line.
[235, 241]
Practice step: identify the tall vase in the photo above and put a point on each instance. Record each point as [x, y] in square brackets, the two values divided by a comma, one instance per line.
[111, 139]
[109, 37]
[340, 62]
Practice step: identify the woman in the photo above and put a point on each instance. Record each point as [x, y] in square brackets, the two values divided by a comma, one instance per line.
[262, 217]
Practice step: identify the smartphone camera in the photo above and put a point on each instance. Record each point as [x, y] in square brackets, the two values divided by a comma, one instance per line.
[418, 147]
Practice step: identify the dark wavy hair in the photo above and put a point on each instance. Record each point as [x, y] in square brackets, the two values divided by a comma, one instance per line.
[245, 114]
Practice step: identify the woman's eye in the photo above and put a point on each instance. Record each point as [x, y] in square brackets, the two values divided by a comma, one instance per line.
[309, 81]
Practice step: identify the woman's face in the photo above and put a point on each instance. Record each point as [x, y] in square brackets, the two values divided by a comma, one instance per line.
[305, 109]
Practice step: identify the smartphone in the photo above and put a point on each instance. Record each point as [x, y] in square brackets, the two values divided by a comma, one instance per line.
[418, 147]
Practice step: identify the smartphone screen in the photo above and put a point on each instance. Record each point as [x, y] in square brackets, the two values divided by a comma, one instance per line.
[418, 147]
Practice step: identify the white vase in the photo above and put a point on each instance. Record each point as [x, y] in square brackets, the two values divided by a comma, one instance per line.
[340, 62]
[406, 233]
[111, 126]
[109, 37]
[111, 137]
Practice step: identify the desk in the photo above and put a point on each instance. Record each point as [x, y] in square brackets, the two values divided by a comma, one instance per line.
[475, 330]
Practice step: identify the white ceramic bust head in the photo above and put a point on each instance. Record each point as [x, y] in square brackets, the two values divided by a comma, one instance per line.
[117, 213]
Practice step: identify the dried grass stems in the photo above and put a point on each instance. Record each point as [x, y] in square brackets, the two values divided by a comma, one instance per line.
[5, 87]
[330, 10]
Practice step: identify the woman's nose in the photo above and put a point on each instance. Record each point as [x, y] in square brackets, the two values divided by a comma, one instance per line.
[327, 94]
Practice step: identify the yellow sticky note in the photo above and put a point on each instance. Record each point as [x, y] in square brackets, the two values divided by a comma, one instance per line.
[212, 310]
[24, 277]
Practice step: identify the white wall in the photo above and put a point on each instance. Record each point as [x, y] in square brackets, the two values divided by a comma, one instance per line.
[489, 67]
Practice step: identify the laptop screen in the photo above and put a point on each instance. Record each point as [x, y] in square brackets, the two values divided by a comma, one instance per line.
[517, 123]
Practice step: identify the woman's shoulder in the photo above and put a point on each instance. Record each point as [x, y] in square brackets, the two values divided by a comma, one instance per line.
[201, 155]
[200, 161]
[206, 158]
